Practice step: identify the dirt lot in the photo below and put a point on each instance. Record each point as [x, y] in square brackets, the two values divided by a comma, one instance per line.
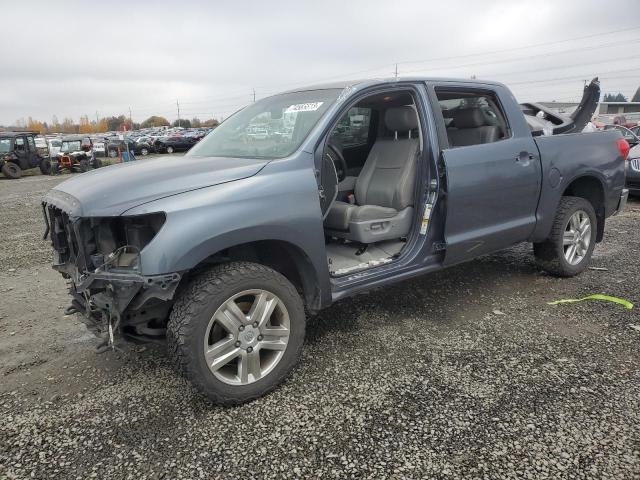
[464, 373]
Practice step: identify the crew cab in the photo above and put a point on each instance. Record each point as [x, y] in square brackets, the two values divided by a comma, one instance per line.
[222, 252]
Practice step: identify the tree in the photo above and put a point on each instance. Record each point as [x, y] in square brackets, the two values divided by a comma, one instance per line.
[211, 123]
[618, 97]
[182, 122]
[55, 125]
[68, 126]
[155, 121]
[36, 126]
[116, 123]
[85, 126]
[102, 126]
[195, 122]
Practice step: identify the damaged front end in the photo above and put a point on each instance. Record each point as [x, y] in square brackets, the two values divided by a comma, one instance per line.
[100, 258]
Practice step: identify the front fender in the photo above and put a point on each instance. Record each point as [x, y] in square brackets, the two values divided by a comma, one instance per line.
[280, 203]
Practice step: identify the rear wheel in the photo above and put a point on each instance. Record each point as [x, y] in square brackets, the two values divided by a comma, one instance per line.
[113, 153]
[11, 170]
[169, 149]
[45, 166]
[568, 249]
[236, 331]
[84, 165]
[144, 152]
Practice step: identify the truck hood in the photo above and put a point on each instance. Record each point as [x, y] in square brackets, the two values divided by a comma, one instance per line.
[112, 190]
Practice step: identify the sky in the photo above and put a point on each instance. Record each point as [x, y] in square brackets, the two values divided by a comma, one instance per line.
[68, 58]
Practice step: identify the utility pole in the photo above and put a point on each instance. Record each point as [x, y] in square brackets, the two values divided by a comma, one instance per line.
[178, 104]
[97, 122]
[396, 71]
[254, 95]
[130, 120]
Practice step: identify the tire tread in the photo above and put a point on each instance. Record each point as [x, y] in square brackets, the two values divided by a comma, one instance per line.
[193, 300]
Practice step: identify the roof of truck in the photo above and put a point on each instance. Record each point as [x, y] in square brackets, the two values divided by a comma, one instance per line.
[373, 81]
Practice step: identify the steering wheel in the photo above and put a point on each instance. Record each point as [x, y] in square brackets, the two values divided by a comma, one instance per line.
[338, 160]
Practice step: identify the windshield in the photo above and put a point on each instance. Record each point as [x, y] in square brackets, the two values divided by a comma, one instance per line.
[73, 146]
[270, 128]
[5, 145]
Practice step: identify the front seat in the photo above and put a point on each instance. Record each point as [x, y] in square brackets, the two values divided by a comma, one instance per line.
[473, 126]
[384, 190]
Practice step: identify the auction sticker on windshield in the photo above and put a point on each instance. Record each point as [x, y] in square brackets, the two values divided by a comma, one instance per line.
[304, 107]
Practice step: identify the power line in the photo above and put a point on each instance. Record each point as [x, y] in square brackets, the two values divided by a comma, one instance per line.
[529, 57]
[524, 47]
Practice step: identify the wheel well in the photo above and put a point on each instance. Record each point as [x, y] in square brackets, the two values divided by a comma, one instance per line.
[591, 189]
[283, 257]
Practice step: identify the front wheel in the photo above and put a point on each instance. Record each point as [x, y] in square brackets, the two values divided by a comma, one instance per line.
[11, 170]
[236, 331]
[169, 149]
[144, 152]
[568, 249]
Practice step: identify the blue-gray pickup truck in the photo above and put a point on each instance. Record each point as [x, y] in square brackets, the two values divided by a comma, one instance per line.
[223, 253]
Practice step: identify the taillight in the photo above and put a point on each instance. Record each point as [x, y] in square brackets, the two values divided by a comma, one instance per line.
[623, 147]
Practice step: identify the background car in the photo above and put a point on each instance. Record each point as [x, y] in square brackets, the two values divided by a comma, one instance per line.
[174, 144]
[138, 148]
[628, 135]
[633, 171]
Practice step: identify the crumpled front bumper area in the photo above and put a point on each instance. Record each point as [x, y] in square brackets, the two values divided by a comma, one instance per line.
[123, 304]
[100, 258]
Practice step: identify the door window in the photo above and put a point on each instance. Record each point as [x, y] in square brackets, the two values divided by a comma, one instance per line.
[19, 145]
[353, 128]
[472, 118]
[32, 144]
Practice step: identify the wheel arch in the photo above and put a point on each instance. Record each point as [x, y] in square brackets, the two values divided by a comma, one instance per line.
[283, 256]
[591, 188]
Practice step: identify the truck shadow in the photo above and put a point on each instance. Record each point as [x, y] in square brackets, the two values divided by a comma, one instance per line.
[441, 298]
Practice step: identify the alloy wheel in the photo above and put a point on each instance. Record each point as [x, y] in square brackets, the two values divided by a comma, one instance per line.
[577, 237]
[247, 337]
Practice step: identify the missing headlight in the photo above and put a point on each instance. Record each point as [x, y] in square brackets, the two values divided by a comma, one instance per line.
[118, 241]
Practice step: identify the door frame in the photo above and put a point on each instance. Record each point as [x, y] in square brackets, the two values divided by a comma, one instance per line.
[417, 256]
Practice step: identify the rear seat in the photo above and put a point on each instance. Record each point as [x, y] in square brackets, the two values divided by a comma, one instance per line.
[471, 126]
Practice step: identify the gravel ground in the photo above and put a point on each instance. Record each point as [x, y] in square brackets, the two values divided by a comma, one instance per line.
[466, 373]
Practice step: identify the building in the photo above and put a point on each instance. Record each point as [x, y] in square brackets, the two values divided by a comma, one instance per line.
[605, 112]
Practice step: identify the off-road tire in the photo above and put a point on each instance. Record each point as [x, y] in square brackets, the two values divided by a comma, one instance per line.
[45, 167]
[84, 165]
[195, 306]
[113, 153]
[144, 152]
[550, 253]
[11, 170]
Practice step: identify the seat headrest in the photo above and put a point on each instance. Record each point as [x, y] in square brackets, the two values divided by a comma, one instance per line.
[469, 118]
[401, 119]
